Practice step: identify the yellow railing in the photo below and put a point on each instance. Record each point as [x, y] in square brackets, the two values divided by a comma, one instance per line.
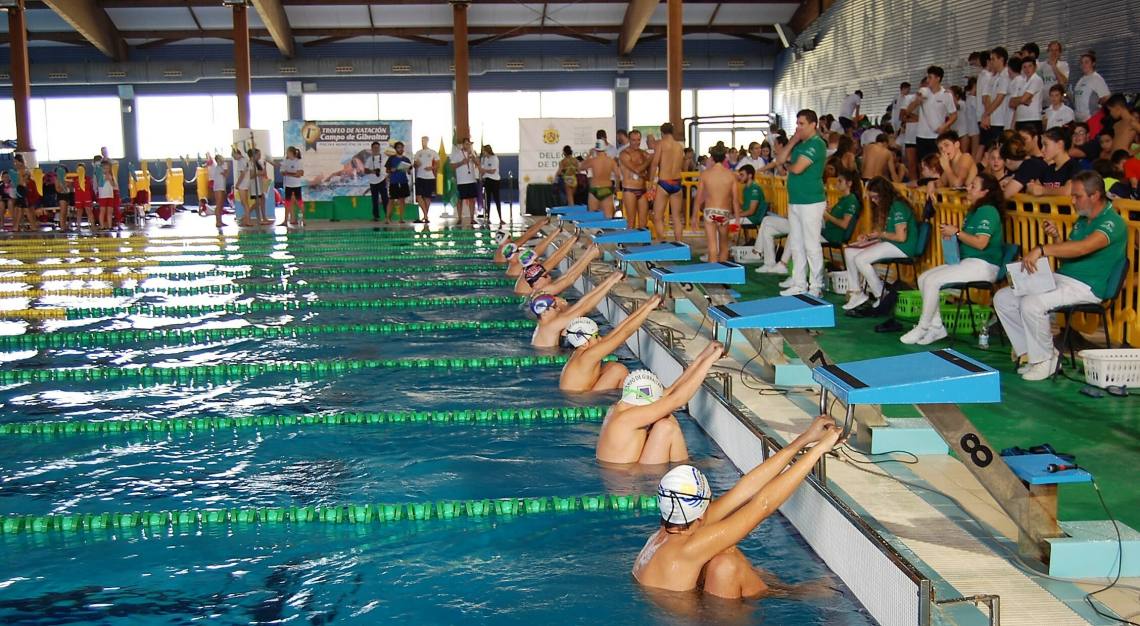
[1023, 222]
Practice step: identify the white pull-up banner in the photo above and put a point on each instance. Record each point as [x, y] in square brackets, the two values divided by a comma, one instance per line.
[541, 141]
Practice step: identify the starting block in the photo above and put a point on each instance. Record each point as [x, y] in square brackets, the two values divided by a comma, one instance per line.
[569, 208]
[635, 235]
[668, 251]
[720, 273]
[618, 223]
[801, 311]
[584, 217]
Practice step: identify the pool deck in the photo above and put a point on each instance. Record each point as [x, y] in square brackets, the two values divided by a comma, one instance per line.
[937, 535]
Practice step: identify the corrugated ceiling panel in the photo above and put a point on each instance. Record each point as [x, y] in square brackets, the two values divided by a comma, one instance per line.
[876, 44]
[222, 17]
[167, 18]
[327, 16]
[587, 14]
[503, 14]
[412, 15]
[41, 20]
[758, 13]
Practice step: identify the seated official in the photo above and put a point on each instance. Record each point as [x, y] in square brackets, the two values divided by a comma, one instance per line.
[834, 231]
[897, 236]
[695, 547]
[1097, 242]
[979, 242]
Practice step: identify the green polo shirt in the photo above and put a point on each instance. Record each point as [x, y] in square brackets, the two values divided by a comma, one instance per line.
[1093, 269]
[901, 213]
[753, 193]
[984, 220]
[847, 205]
[807, 186]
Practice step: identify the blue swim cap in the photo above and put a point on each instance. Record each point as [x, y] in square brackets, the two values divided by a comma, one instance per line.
[509, 250]
[539, 305]
[527, 257]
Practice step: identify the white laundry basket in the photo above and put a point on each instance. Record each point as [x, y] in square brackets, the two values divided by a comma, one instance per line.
[1119, 367]
[837, 281]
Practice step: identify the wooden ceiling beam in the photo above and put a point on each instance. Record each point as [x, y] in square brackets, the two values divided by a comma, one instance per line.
[93, 24]
[277, 22]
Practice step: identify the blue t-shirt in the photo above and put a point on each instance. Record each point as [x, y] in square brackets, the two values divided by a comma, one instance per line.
[398, 176]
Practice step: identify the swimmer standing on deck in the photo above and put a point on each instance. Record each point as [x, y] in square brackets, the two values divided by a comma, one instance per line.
[666, 172]
[695, 547]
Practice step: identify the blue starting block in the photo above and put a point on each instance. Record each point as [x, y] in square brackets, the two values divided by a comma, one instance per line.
[1034, 469]
[668, 251]
[801, 311]
[584, 217]
[611, 224]
[634, 235]
[570, 208]
[724, 273]
[937, 377]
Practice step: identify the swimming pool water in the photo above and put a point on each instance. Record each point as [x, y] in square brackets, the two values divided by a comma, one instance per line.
[571, 567]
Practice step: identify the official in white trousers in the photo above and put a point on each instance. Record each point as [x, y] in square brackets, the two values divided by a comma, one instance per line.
[804, 241]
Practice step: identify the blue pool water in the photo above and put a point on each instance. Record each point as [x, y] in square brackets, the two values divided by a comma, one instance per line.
[570, 567]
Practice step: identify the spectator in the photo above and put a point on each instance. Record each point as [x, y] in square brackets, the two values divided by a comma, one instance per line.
[1055, 181]
[898, 104]
[377, 181]
[958, 167]
[1032, 140]
[463, 159]
[879, 160]
[849, 111]
[1124, 125]
[1084, 150]
[427, 167]
[964, 124]
[1057, 114]
[936, 112]
[1116, 187]
[979, 242]
[995, 118]
[753, 157]
[1096, 243]
[754, 206]
[489, 168]
[1091, 91]
[690, 162]
[1022, 167]
[896, 236]
[1132, 177]
[807, 201]
[994, 165]
[1053, 71]
[1028, 112]
[846, 209]
[397, 168]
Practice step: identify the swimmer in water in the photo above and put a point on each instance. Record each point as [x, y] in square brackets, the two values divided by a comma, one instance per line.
[641, 428]
[513, 243]
[584, 371]
[555, 314]
[537, 278]
[695, 547]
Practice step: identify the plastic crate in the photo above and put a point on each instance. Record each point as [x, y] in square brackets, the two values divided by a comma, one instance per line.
[1104, 368]
[838, 283]
[957, 321]
[909, 305]
[745, 255]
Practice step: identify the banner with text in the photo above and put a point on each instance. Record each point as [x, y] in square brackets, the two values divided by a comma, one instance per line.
[334, 154]
[541, 141]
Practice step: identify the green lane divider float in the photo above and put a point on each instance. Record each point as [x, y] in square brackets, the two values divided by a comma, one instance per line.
[258, 272]
[223, 249]
[570, 414]
[318, 369]
[191, 337]
[277, 288]
[331, 514]
[290, 305]
[246, 262]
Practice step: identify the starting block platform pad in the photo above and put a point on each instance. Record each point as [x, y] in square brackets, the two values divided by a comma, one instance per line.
[629, 235]
[569, 208]
[585, 217]
[1034, 469]
[725, 273]
[617, 223]
[937, 377]
[668, 251]
[801, 311]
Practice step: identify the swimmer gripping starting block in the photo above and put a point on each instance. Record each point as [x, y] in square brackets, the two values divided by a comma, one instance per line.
[935, 382]
[668, 251]
[629, 235]
[569, 208]
[721, 273]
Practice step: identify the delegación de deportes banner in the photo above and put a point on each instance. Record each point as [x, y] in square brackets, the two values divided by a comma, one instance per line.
[541, 141]
[334, 153]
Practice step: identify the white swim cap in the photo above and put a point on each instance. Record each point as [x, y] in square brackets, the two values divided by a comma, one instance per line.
[683, 495]
[641, 387]
[527, 257]
[580, 330]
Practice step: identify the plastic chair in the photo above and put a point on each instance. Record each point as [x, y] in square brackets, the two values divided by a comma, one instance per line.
[1115, 283]
[1009, 252]
[923, 243]
[829, 248]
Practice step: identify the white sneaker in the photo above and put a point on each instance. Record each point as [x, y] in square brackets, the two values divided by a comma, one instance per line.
[1042, 370]
[912, 336]
[815, 292]
[705, 257]
[856, 301]
[793, 291]
[787, 282]
[778, 268]
[1024, 367]
[933, 334]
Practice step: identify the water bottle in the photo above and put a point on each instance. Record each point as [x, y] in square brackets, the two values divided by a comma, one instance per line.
[984, 337]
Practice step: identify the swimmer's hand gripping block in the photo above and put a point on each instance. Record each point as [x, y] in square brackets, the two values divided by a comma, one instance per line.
[801, 311]
[937, 377]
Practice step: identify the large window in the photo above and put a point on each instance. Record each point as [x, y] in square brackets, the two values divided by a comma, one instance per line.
[430, 112]
[341, 106]
[578, 103]
[733, 101]
[173, 125]
[650, 107]
[68, 128]
[495, 117]
[268, 111]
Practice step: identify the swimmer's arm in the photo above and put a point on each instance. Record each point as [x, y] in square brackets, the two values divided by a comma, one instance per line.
[624, 330]
[563, 251]
[567, 279]
[690, 380]
[655, 165]
[736, 202]
[530, 232]
[593, 297]
[540, 249]
[712, 538]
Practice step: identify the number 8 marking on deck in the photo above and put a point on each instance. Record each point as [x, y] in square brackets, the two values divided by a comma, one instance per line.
[979, 454]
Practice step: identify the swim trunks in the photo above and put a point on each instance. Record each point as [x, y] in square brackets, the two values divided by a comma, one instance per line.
[717, 216]
[671, 186]
[601, 193]
[636, 193]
